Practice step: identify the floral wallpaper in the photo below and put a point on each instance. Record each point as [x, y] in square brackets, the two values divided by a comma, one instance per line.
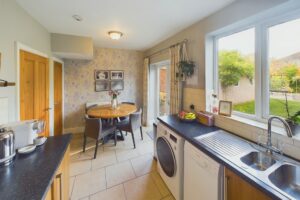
[79, 82]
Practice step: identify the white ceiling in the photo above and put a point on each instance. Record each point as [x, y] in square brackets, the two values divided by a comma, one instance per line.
[143, 22]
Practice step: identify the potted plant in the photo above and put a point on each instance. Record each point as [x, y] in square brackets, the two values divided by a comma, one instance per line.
[294, 122]
[185, 69]
[114, 98]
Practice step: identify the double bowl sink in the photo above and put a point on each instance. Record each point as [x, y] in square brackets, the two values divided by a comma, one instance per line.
[277, 171]
[286, 177]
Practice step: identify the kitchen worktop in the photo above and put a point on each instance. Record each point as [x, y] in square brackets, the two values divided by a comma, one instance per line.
[190, 130]
[30, 176]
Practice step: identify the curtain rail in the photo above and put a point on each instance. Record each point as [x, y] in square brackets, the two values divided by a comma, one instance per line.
[164, 49]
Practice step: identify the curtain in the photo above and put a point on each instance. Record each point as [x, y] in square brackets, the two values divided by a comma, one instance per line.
[145, 91]
[176, 83]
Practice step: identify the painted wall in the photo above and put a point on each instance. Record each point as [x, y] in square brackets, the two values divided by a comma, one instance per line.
[72, 47]
[196, 33]
[16, 25]
[79, 82]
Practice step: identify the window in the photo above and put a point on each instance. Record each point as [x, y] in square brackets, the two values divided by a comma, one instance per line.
[236, 68]
[284, 68]
[258, 68]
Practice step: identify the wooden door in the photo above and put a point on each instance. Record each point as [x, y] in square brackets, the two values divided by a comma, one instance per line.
[238, 189]
[34, 88]
[58, 123]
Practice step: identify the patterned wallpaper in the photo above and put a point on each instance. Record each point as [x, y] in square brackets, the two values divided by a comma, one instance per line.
[79, 83]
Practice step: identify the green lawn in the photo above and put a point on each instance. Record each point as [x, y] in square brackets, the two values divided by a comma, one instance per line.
[277, 107]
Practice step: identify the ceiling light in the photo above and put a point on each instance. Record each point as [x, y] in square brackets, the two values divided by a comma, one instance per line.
[77, 18]
[115, 35]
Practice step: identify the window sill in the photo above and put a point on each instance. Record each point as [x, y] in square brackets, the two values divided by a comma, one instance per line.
[258, 124]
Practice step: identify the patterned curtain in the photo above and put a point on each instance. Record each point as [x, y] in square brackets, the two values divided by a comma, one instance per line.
[176, 83]
[145, 91]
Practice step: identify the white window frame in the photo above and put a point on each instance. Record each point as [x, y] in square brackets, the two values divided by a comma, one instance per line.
[261, 61]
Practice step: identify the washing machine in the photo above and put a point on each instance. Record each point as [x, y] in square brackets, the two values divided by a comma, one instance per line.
[169, 149]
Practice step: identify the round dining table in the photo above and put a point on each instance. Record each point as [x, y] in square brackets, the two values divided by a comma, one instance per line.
[107, 112]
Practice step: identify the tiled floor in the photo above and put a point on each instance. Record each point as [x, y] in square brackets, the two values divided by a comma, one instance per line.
[119, 172]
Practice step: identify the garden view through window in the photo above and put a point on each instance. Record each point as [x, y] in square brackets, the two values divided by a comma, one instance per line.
[236, 67]
[284, 69]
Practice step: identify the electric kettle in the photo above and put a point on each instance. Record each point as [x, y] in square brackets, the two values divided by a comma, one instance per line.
[7, 146]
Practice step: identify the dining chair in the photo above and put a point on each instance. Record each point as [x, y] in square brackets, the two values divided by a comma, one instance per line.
[134, 122]
[89, 107]
[96, 129]
[126, 117]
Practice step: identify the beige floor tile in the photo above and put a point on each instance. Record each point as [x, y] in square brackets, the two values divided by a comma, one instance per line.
[72, 179]
[104, 158]
[89, 183]
[163, 189]
[80, 166]
[119, 173]
[170, 197]
[142, 188]
[114, 193]
[85, 198]
[126, 154]
[145, 147]
[143, 164]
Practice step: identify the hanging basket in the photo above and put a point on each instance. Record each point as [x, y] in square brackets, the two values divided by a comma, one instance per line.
[185, 69]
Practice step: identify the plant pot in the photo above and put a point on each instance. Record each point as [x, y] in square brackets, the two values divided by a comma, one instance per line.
[295, 128]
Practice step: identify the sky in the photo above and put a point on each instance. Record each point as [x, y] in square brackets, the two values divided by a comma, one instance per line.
[284, 40]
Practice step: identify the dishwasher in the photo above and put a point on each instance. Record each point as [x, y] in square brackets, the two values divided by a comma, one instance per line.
[203, 177]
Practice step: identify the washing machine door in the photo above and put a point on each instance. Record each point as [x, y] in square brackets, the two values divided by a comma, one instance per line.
[165, 156]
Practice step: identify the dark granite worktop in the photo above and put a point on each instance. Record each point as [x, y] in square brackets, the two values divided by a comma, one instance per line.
[189, 131]
[30, 176]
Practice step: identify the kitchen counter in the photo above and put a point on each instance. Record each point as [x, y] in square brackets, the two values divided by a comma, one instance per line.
[189, 131]
[30, 176]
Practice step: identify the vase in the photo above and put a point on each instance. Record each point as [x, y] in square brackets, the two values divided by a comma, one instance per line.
[114, 103]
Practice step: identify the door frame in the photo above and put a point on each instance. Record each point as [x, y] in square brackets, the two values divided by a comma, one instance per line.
[157, 66]
[20, 46]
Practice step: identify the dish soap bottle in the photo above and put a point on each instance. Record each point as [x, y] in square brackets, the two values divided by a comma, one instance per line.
[215, 104]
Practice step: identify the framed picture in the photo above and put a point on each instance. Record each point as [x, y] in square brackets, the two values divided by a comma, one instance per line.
[117, 75]
[225, 108]
[117, 85]
[101, 75]
[101, 86]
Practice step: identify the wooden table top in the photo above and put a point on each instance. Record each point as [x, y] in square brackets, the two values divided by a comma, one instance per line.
[106, 111]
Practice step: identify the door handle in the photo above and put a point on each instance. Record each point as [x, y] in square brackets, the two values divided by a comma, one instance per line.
[47, 109]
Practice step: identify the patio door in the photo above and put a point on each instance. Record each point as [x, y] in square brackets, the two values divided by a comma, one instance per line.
[159, 82]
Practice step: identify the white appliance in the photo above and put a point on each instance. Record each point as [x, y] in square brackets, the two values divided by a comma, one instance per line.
[203, 177]
[25, 131]
[169, 149]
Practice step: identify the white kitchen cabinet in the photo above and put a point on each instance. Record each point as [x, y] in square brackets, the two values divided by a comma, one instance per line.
[203, 177]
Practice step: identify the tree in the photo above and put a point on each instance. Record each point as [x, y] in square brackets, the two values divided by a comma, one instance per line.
[233, 66]
[290, 72]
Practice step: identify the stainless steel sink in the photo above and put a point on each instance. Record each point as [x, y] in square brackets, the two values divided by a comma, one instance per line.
[287, 178]
[258, 160]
